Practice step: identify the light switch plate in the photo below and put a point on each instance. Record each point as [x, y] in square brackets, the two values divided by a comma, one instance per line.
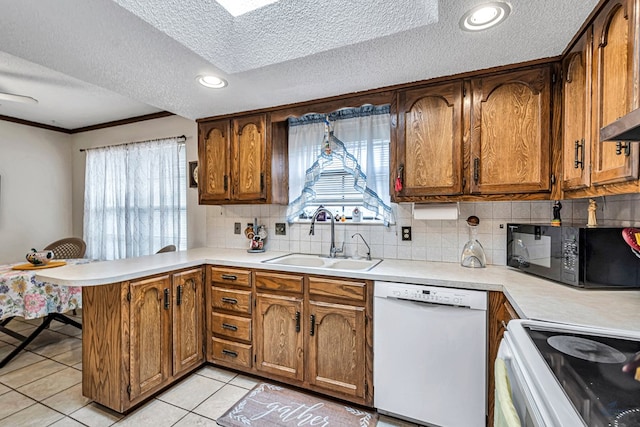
[281, 229]
[406, 233]
[236, 228]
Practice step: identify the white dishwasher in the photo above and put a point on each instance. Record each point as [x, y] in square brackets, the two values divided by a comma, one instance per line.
[429, 362]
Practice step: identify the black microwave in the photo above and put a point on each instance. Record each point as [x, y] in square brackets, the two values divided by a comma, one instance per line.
[588, 257]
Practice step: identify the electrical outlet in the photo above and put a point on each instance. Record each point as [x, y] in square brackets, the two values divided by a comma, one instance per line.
[236, 228]
[281, 229]
[406, 233]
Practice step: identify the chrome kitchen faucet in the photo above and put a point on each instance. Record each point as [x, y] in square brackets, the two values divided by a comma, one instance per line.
[332, 250]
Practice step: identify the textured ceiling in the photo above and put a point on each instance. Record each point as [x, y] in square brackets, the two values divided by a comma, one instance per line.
[94, 61]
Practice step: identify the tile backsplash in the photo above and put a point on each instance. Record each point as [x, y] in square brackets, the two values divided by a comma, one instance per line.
[431, 240]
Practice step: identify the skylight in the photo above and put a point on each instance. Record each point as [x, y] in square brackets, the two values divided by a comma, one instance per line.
[240, 7]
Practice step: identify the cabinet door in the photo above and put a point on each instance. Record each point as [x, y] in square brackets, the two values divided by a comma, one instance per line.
[429, 146]
[511, 133]
[250, 149]
[337, 348]
[615, 83]
[150, 334]
[576, 114]
[278, 337]
[187, 320]
[214, 161]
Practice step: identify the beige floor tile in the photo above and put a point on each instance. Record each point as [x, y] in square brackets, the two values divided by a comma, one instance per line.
[194, 420]
[30, 373]
[154, 414]
[216, 373]
[94, 415]
[220, 402]
[63, 345]
[245, 381]
[191, 392]
[5, 349]
[13, 402]
[78, 366]
[68, 401]
[67, 422]
[14, 341]
[70, 330]
[46, 337]
[71, 357]
[34, 416]
[25, 358]
[18, 325]
[4, 389]
[52, 384]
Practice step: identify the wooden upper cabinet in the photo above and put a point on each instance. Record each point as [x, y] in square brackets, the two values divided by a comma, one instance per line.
[429, 141]
[576, 114]
[249, 154]
[511, 132]
[234, 157]
[150, 334]
[214, 161]
[615, 75]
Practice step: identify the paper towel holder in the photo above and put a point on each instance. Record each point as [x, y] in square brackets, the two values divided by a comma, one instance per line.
[436, 211]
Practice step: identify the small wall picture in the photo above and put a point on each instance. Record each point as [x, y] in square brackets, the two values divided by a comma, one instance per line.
[193, 174]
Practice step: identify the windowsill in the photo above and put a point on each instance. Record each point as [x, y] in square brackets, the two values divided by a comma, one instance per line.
[366, 222]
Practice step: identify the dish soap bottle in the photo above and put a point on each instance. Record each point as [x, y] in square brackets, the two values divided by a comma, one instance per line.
[473, 253]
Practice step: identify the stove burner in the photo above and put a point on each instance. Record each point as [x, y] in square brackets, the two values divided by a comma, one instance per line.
[628, 418]
[586, 349]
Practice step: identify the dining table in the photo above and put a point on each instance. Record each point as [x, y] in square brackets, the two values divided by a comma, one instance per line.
[21, 295]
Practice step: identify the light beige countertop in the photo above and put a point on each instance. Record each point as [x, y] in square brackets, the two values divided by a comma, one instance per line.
[532, 297]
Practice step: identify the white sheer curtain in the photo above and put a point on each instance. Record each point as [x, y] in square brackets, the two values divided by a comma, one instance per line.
[135, 199]
[365, 135]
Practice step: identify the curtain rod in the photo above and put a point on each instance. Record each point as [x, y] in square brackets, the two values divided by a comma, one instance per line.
[182, 137]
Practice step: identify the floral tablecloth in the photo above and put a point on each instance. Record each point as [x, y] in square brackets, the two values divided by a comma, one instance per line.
[22, 295]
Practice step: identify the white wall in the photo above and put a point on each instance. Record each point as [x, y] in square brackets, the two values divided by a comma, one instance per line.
[140, 131]
[35, 189]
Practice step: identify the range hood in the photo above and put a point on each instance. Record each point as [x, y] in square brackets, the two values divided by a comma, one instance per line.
[626, 128]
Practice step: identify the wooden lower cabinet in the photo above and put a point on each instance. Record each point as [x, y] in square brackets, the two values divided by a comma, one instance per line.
[500, 313]
[140, 336]
[309, 331]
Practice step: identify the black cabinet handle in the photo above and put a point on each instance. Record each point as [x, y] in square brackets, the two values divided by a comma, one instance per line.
[476, 170]
[297, 321]
[226, 185]
[229, 353]
[261, 181]
[166, 299]
[229, 277]
[229, 327]
[229, 300]
[179, 296]
[578, 162]
[312, 332]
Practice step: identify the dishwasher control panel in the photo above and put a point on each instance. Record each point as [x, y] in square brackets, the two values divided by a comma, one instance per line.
[432, 294]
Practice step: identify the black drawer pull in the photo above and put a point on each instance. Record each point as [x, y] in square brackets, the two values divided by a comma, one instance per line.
[229, 277]
[229, 300]
[229, 327]
[297, 321]
[229, 353]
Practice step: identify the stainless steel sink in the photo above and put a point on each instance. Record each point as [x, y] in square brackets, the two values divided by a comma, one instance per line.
[317, 261]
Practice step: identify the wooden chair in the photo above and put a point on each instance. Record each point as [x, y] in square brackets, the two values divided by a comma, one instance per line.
[168, 248]
[71, 247]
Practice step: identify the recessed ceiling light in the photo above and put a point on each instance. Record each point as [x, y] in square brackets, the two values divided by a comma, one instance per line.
[212, 81]
[485, 16]
[240, 7]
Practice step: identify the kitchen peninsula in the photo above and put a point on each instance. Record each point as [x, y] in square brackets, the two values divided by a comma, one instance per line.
[110, 329]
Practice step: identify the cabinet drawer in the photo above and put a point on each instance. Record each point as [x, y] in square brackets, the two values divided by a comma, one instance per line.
[231, 299]
[234, 327]
[232, 276]
[232, 352]
[279, 282]
[343, 289]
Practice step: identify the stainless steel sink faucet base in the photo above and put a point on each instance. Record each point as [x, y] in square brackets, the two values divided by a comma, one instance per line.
[333, 250]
